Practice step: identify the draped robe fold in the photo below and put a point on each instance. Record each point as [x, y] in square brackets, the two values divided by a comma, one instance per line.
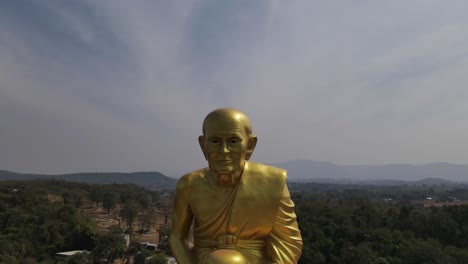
[258, 212]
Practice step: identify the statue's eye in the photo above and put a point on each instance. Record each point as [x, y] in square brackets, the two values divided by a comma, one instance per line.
[234, 140]
[214, 140]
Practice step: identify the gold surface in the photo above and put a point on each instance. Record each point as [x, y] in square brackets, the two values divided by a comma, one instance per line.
[234, 204]
[225, 256]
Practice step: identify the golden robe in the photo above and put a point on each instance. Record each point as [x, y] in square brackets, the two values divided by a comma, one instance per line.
[256, 217]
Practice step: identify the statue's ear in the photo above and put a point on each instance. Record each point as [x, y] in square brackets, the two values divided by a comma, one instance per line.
[251, 146]
[201, 141]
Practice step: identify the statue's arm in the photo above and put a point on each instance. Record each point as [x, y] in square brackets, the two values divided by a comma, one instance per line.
[182, 220]
[285, 242]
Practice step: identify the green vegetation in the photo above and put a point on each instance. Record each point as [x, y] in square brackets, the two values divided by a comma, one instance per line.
[32, 227]
[152, 258]
[40, 218]
[340, 224]
[355, 226]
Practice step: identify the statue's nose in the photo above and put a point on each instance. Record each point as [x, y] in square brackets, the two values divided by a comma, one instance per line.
[224, 147]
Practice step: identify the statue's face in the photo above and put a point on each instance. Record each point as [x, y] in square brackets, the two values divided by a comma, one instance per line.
[225, 145]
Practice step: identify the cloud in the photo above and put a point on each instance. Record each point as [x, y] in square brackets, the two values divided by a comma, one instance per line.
[120, 86]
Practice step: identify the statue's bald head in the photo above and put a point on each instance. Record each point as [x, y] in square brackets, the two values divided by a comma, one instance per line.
[226, 116]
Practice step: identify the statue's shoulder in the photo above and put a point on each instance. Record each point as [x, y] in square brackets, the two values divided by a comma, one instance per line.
[190, 178]
[267, 171]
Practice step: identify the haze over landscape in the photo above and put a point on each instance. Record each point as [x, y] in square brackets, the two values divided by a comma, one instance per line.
[107, 86]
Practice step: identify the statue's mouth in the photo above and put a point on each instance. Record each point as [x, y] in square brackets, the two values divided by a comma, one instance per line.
[224, 162]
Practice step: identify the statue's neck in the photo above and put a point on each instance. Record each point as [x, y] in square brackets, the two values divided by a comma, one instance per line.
[228, 180]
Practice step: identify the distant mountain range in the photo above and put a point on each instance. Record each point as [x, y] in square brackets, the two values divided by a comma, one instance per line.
[319, 171]
[146, 179]
[298, 170]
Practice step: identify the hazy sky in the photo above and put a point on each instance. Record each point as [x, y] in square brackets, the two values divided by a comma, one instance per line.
[124, 85]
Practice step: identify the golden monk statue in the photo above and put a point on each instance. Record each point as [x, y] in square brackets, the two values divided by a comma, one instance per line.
[242, 211]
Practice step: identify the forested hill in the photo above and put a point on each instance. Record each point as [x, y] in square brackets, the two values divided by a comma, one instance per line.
[145, 179]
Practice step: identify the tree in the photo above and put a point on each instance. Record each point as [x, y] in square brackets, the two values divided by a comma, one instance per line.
[164, 231]
[74, 199]
[96, 195]
[144, 200]
[443, 227]
[110, 246]
[109, 201]
[158, 259]
[147, 218]
[141, 256]
[33, 229]
[360, 254]
[459, 256]
[423, 251]
[117, 216]
[80, 258]
[8, 259]
[129, 213]
[166, 213]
